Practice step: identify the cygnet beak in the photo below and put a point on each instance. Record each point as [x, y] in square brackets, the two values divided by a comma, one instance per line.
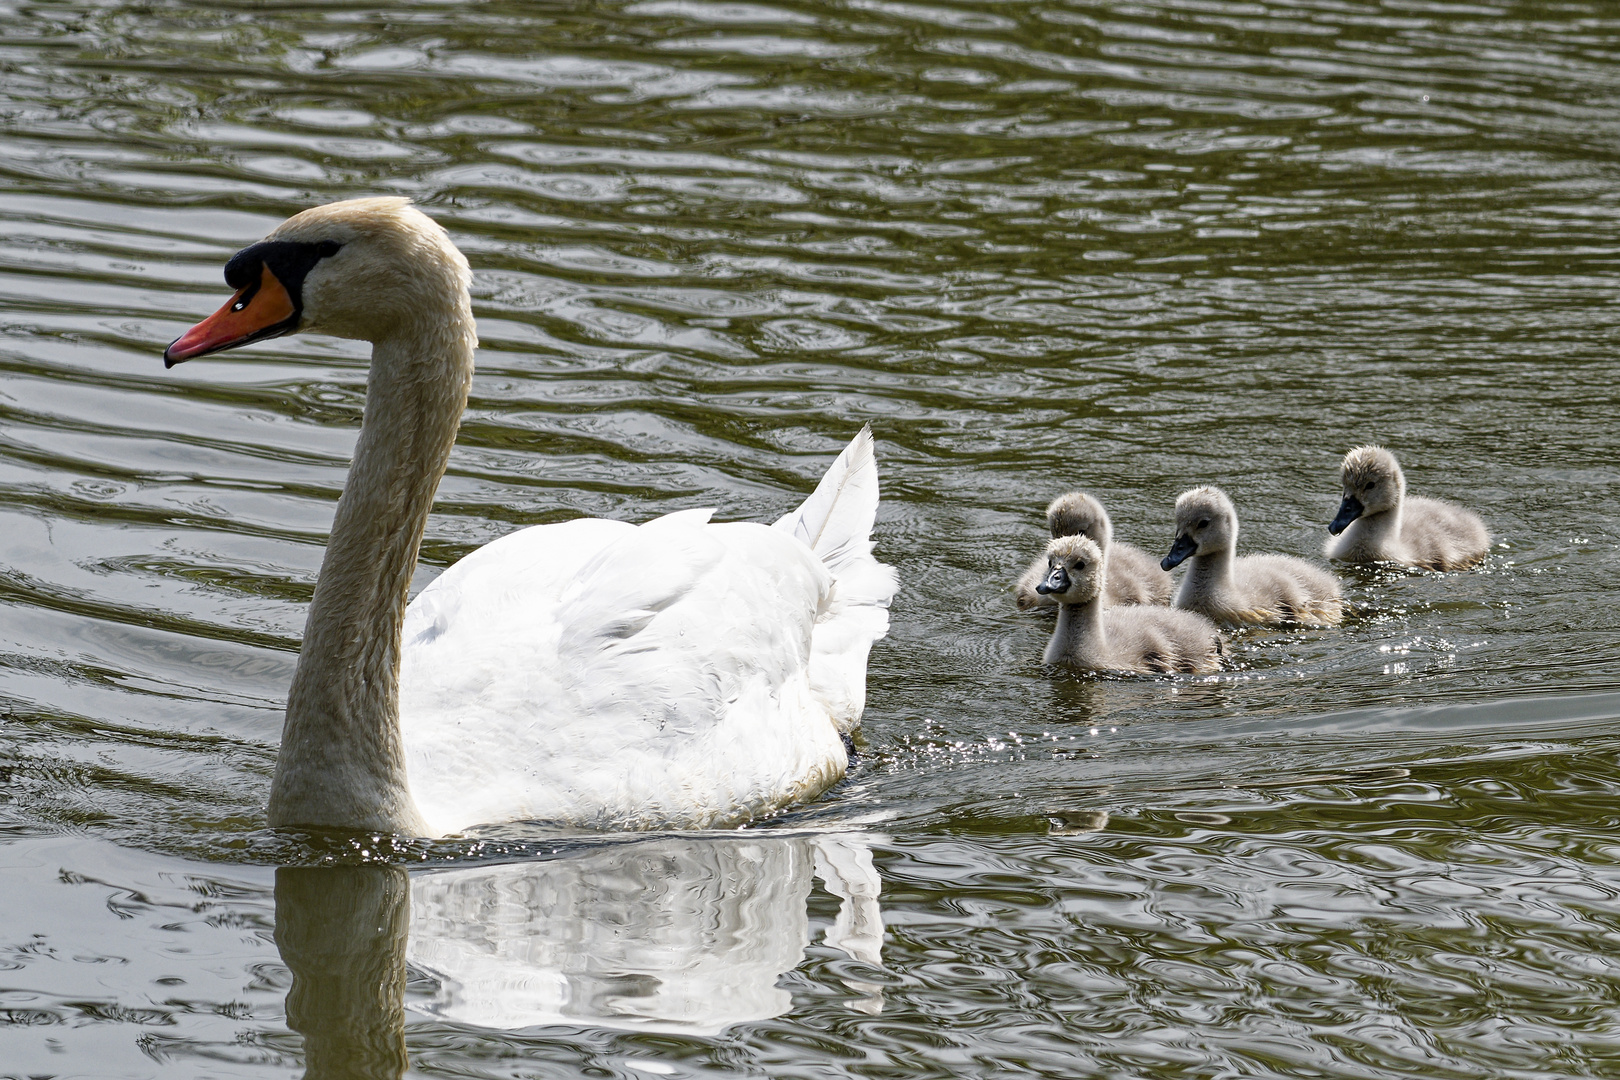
[1349, 510]
[1184, 547]
[1056, 582]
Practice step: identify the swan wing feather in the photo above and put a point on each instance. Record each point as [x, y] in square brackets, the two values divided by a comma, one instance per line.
[836, 523]
[660, 677]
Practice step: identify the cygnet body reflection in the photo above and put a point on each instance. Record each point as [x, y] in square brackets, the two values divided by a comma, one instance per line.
[678, 934]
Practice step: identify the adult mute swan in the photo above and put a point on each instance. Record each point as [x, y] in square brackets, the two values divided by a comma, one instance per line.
[1379, 522]
[1134, 576]
[594, 673]
[1133, 637]
[1243, 590]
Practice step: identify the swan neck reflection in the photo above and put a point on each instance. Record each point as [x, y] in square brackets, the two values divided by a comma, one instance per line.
[342, 931]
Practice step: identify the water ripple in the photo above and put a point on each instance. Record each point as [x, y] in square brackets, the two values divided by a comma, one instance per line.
[1129, 248]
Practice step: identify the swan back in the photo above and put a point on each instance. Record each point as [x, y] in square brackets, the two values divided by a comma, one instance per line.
[1269, 590]
[1162, 641]
[679, 673]
[616, 676]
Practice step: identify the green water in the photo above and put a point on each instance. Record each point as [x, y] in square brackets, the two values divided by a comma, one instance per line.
[1129, 247]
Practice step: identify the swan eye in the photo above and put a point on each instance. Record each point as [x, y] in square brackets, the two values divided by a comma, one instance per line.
[327, 248]
[1204, 524]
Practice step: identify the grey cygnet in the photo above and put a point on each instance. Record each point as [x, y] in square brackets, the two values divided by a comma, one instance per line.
[1246, 590]
[1134, 576]
[1134, 638]
[1379, 522]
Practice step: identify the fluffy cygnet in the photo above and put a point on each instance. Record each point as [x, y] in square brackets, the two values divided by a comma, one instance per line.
[1134, 576]
[1251, 590]
[1379, 522]
[1139, 638]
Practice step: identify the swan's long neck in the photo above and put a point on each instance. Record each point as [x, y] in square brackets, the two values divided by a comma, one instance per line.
[342, 761]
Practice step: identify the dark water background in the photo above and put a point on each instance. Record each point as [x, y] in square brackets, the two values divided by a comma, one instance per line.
[1129, 247]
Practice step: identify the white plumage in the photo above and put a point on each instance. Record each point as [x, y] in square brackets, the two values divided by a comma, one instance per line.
[678, 673]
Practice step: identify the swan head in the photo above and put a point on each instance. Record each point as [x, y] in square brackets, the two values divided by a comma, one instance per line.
[1206, 521]
[1373, 484]
[1078, 514]
[1074, 573]
[363, 268]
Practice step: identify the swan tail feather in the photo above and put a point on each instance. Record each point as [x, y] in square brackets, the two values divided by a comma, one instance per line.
[835, 522]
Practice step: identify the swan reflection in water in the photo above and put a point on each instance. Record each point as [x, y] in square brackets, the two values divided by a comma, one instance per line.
[674, 934]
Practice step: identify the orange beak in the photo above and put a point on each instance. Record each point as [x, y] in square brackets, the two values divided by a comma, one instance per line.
[258, 311]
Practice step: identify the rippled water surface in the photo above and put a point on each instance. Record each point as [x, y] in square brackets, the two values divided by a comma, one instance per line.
[1128, 247]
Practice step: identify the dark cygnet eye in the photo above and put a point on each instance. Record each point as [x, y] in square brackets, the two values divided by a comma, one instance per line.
[1204, 524]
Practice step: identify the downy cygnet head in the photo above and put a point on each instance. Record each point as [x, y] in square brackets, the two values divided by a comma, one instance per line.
[1373, 483]
[362, 268]
[1074, 574]
[1078, 514]
[1206, 521]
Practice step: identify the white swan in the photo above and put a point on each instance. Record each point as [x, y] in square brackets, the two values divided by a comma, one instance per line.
[594, 673]
[1379, 522]
[1135, 637]
[1247, 590]
[1134, 576]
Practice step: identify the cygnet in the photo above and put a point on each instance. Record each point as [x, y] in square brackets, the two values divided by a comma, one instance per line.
[1134, 576]
[1379, 522]
[1139, 638]
[1248, 590]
